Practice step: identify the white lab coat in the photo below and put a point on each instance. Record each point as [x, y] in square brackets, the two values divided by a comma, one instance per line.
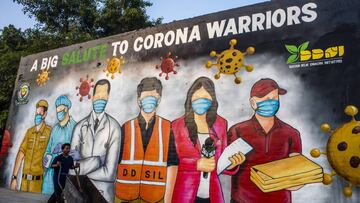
[105, 142]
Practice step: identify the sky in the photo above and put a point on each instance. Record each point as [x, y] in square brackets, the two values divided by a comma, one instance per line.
[170, 10]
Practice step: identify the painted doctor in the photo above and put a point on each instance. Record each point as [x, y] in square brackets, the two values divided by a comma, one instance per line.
[96, 143]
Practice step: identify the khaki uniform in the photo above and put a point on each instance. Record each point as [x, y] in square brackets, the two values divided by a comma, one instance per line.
[33, 146]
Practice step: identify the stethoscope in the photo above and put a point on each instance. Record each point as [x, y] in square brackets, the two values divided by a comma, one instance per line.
[87, 125]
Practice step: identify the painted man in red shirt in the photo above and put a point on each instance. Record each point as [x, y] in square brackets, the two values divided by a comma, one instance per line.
[271, 139]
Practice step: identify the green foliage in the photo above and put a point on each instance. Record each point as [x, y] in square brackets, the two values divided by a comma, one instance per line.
[129, 14]
[11, 48]
[79, 20]
[62, 23]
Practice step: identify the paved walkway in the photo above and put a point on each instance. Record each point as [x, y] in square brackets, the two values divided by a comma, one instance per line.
[10, 196]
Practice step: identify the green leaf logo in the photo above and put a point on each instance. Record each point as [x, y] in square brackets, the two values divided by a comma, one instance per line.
[295, 51]
[291, 49]
[292, 58]
[303, 46]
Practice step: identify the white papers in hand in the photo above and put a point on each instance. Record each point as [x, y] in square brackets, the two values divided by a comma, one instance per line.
[237, 146]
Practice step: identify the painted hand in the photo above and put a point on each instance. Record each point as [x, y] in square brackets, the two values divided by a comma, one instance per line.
[205, 164]
[75, 155]
[236, 159]
[45, 161]
[57, 148]
[13, 184]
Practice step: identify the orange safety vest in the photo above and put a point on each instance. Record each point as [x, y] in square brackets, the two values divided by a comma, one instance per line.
[143, 174]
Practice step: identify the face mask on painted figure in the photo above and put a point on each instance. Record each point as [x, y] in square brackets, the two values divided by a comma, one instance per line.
[99, 105]
[267, 108]
[38, 119]
[201, 106]
[148, 104]
[61, 115]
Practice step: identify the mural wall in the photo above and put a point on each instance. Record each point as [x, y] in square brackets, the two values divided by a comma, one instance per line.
[254, 104]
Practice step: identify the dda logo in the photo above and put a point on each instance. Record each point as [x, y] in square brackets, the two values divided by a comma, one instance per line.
[23, 92]
[311, 57]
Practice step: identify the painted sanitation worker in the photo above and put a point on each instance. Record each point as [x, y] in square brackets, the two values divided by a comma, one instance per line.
[61, 165]
[148, 162]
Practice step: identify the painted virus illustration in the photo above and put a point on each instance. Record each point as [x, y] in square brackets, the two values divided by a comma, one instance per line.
[85, 87]
[167, 65]
[230, 61]
[342, 151]
[114, 66]
[43, 77]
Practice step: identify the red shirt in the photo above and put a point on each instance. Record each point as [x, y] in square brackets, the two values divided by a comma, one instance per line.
[278, 143]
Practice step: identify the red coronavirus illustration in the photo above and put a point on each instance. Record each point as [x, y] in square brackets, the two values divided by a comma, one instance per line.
[85, 87]
[167, 65]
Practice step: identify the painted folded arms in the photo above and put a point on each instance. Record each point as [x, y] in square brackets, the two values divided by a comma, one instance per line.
[103, 167]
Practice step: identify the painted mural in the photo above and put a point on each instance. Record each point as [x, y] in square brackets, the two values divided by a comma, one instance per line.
[177, 130]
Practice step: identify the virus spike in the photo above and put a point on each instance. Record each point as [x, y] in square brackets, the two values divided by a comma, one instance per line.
[351, 110]
[348, 190]
[250, 50]
[237, 80]
[315, 153]
[327, 179]
[217, 76]
[209, 64]
[249, 68]
[213, 53]
[325, 127]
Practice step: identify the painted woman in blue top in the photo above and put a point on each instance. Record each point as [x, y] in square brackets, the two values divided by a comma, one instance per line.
[60, 134]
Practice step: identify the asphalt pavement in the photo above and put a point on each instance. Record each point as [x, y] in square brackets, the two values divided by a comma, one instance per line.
[11, 196]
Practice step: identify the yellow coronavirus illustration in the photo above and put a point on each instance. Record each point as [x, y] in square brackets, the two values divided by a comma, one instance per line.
[114, 66]
[343, 151]
[43, 77]
[230, 61]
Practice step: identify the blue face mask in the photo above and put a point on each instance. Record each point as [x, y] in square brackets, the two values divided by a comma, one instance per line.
[267, 108]
[38, 119]
[61, 115]
[201, 106]
[99, 105]
[148, 104]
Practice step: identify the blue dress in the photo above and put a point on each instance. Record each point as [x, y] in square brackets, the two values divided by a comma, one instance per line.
[59, 135]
